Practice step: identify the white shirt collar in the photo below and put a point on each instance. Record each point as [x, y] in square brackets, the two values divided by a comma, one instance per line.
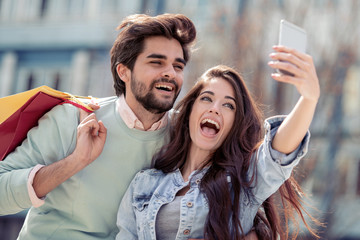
[131, 119]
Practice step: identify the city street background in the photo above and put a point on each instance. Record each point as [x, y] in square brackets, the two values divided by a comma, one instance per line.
[65, 45]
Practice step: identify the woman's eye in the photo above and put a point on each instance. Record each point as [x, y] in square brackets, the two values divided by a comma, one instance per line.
[230, 106]
[205, 99]
[155, 62]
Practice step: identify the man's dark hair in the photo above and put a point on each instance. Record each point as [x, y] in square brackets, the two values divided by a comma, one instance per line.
[136, 28]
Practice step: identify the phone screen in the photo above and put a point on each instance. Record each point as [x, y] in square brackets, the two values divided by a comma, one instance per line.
[292, 36]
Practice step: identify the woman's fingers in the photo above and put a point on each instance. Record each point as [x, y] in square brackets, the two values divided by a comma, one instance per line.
[297, 63]
[285, 66]
[291, 51]
[302, 68]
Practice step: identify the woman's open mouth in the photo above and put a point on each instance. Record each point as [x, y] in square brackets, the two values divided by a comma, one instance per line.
[209, 126]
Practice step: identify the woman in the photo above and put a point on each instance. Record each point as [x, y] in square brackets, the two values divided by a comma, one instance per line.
[215, 173]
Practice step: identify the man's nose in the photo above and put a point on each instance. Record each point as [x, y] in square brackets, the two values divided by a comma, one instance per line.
[169, 72]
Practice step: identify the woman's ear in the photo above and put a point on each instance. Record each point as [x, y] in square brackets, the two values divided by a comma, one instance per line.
[123, 72]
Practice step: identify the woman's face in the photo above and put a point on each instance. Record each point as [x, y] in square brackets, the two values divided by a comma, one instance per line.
[212, 115]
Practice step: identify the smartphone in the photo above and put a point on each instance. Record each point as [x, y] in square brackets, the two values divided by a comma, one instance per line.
[292, 36]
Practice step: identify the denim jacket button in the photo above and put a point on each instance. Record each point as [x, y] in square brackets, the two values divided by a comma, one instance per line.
[197, 181]
[189, 204]
[186, 232]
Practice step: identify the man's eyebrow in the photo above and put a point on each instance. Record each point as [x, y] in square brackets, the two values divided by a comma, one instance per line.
[160, 56]
[154, 55]
[180, 60]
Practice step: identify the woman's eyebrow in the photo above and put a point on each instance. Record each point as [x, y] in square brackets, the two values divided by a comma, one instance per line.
[212, 93]
[229, 97]
[209, 92]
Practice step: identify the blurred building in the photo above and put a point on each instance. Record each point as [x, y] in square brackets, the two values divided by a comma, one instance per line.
[65, 45]
[62, 44]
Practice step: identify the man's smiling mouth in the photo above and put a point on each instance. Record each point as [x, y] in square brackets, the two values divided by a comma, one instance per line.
[164, 87]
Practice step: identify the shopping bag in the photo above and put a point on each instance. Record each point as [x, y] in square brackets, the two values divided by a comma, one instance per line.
[21, 112]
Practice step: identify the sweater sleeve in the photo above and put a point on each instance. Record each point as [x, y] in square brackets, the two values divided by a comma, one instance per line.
[53, 139]
[273, 168]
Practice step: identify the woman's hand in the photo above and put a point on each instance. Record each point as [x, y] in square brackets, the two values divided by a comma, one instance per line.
[302, 67]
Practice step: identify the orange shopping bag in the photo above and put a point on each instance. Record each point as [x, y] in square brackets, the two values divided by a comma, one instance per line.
[21, 112]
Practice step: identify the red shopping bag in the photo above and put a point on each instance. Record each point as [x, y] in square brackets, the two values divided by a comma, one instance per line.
[21, 112]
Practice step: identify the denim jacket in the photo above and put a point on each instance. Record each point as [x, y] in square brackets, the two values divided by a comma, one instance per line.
[151, 189]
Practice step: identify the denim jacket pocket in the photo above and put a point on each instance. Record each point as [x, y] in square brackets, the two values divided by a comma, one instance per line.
[140, 202]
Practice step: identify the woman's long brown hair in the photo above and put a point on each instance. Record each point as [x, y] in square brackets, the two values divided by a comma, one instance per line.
[232, 159]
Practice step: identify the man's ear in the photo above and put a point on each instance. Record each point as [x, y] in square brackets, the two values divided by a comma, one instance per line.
[123, 72]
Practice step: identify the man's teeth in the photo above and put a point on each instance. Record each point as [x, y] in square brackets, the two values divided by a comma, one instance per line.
[211, 121]
[165, 87]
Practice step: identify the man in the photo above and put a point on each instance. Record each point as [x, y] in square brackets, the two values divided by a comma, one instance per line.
[72, 186]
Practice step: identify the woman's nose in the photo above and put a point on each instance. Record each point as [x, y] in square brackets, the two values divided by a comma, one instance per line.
[214, 109]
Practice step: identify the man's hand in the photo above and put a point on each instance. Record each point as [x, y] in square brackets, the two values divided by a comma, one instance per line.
[83, 114]
[91, 136]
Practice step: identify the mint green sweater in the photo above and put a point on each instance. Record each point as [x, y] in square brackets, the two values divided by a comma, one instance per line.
[86, 205]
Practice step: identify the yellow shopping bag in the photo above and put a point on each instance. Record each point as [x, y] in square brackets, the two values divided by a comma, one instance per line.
[21, 112]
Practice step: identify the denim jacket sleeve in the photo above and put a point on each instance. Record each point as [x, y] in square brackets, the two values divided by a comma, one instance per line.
[273, 168]
[126, 219]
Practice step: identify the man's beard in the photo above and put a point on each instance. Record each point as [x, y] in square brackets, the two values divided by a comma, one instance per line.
[149, 101]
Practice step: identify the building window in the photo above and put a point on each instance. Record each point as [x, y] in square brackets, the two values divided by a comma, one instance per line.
[160, 6]
[43, 8]
[29, 78]
[30, 81]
